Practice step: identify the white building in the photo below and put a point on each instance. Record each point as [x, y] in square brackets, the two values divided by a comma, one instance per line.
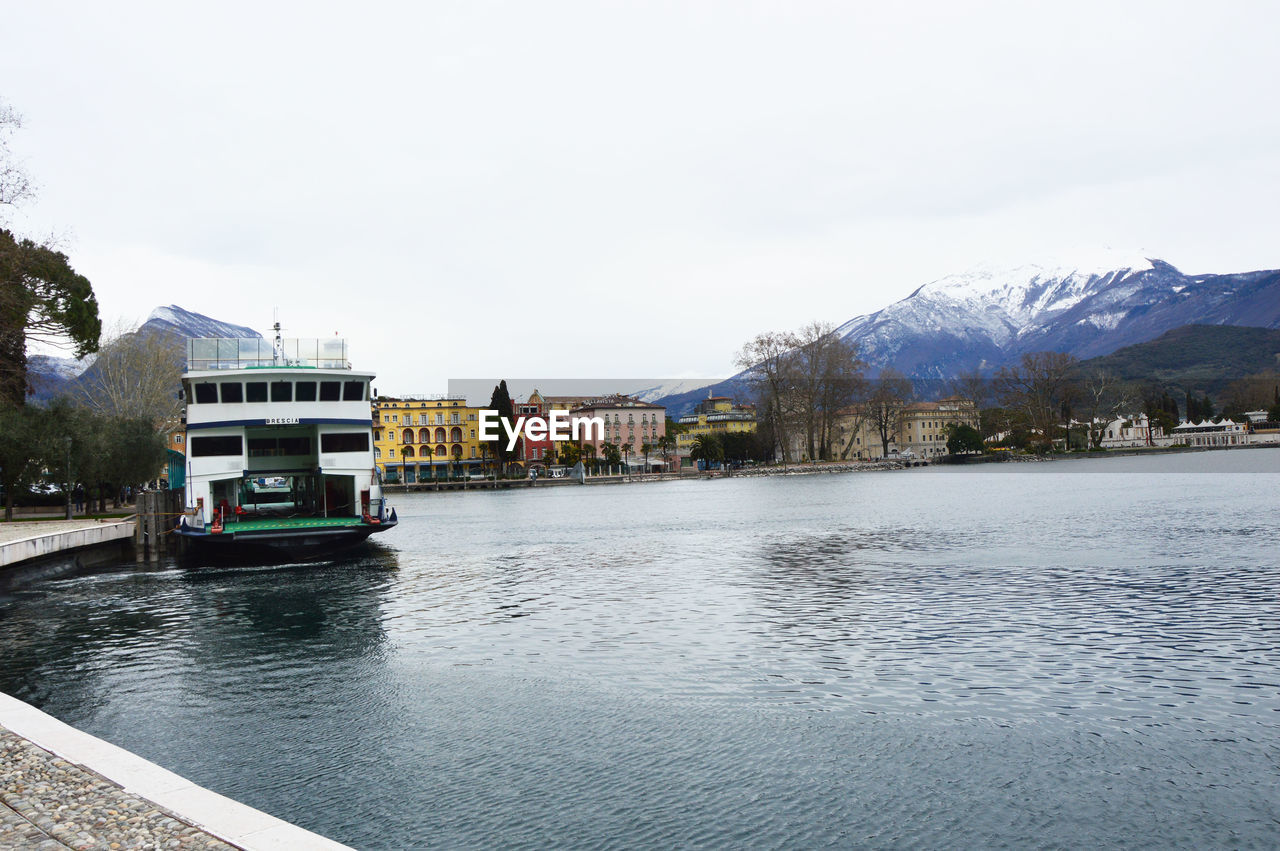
[1208, 433]
[1135, 430]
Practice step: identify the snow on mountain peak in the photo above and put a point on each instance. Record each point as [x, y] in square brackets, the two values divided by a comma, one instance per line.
[188, 324]
[991, 280]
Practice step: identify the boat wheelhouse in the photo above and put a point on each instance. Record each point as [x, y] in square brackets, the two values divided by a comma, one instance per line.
[279, 447]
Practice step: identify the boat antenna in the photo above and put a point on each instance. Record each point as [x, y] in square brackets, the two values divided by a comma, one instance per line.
[277, 352]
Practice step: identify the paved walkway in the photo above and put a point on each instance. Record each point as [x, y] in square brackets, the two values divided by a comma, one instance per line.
[63, 788]
[20, 530]
[49, 803]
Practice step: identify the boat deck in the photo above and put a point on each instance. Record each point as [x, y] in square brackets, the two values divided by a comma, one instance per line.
[276, 524]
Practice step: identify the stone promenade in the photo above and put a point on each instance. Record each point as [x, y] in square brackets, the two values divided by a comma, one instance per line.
[48, 803]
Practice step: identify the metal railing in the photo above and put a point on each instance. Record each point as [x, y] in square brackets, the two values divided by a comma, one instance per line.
[206, 353]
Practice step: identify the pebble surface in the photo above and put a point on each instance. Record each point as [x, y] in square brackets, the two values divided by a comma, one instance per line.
[49, 803]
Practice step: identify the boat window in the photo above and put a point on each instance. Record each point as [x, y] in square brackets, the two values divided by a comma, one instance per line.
[355, 441]
[203, 447]
[255, 391]
[271, 447]
[282, 391]
[304, 391]
[353, 391]
[295, 446]
[330, 391]
[232, 391]
[206, 393]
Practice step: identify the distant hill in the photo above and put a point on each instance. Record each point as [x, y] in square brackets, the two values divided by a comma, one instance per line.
[51, 377]
[1199, 358]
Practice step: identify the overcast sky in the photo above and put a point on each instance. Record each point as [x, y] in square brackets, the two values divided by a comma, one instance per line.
[604, 188]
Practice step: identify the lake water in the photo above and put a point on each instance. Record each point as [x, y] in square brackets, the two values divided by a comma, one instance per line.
[1070, 654]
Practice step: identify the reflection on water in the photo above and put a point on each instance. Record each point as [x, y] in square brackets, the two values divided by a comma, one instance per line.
[1025, 656]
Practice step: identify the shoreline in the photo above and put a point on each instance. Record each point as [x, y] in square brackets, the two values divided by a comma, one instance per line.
[61, 787]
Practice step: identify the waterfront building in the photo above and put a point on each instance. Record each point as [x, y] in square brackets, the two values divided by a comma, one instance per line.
[174, 430]
[921, 429]
[1208, 433]
[416, 438]
[1131, 431]
[715, 416]
[627, 420]
[534, 453]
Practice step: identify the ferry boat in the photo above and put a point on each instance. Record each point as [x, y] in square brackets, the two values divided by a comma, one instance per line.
[279, 448]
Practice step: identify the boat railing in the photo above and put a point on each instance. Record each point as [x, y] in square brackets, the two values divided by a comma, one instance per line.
[215, 353]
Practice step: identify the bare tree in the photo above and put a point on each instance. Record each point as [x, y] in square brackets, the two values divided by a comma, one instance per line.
[1104, 397]
[1253, 392]
[135, 375]
[974, 386]
[767, 359]
[887, 399]
[826, 376]
[15, 185]
[1039, 386]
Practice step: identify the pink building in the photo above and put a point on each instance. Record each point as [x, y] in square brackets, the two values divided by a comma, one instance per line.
[626, 421]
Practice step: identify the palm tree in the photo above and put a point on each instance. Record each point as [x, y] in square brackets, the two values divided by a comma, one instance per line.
[610, 454]
[626, 453]
[665, 444]
[707, 449]
[646, 448]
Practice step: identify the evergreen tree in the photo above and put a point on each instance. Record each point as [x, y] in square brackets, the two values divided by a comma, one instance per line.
[41, 298]
[707, 449]
[19, 430]
[963, 438]
[500, 401]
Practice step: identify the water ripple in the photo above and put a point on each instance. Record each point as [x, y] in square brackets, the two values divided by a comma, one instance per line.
[936, 658]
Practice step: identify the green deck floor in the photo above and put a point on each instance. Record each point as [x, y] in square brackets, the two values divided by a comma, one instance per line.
[285, 523]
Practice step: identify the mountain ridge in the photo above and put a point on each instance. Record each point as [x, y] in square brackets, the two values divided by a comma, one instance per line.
[990, 316]
[50, 377]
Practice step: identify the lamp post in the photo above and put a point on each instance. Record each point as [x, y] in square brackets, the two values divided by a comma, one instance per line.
[67, 443]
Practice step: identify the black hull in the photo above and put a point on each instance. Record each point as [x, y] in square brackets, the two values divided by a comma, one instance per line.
[276, 545]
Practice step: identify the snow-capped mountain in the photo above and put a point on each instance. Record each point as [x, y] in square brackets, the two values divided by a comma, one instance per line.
[53, 376]
[670, 388]
[989, 317]
[175, 321]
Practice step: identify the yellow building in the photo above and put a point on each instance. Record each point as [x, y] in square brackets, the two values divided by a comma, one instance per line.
[416, 438]
[715, 415]
[921, 429]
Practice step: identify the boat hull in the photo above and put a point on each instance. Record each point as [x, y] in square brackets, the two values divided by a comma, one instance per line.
[277, 544]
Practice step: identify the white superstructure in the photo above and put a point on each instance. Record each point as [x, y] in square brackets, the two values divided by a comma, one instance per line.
[279, 440]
